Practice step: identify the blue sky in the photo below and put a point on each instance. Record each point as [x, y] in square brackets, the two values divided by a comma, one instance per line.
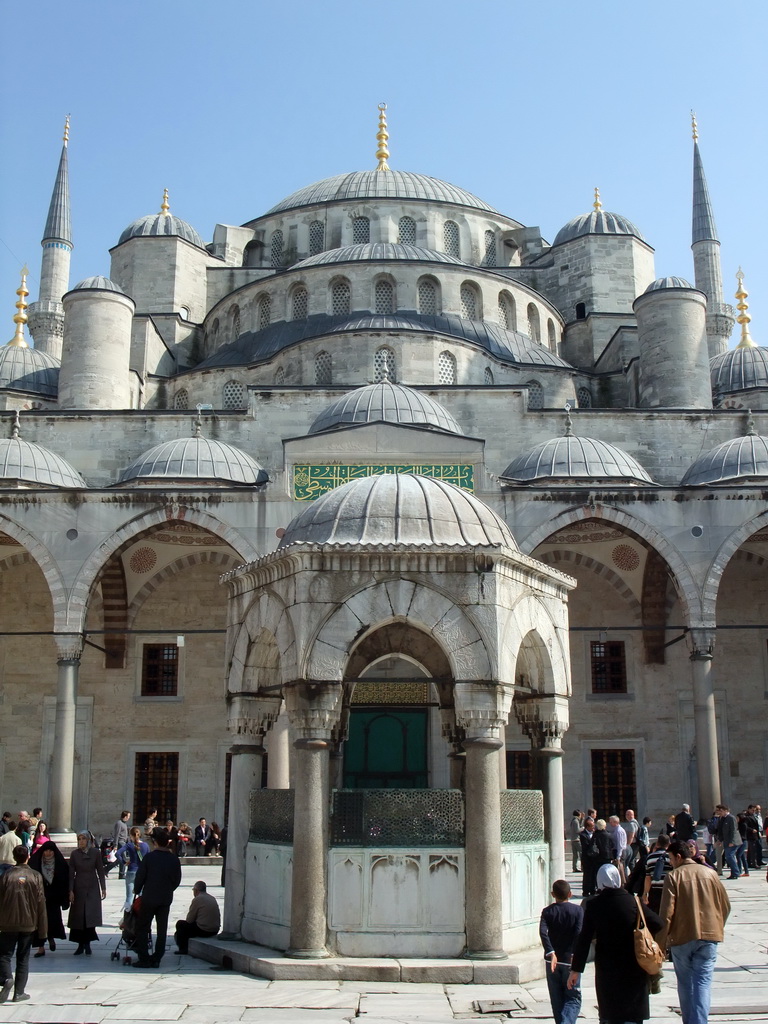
[232, 105]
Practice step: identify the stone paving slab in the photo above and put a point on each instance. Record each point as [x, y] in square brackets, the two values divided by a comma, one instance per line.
[147, 1008]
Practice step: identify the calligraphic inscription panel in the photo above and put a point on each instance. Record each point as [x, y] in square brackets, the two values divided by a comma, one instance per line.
[310, 482]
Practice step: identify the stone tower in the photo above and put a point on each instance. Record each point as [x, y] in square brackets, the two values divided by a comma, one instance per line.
[46, 316]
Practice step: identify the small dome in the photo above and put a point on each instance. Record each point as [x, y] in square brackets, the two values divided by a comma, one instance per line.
[33, 465]
[740, 459]
[99, 283]
[575, 458]
[196, 458]
[377, 251]
[159, 224]
[739, 369]
[399, 509]
[598, 222]
[377, 185]
[391, 403]
[30, 370]
[668, 282]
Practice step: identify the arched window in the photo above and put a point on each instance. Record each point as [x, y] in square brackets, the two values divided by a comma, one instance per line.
[279, 376]
[184, 312]
[535, 395]
[181, 399]
[490, 249]
[323, 368]
[427, 296]
[316, 237]
[451, 238]
[488, 375]
[468, 300]
[234, 395]
[584, 398]
[507, 311]
[215, 334]
[406, 231]
[534, 323]
[340, 301]
[581, 311]
[264, 312]
[235, 321]
[446, 368]
[384, 365]
[276, 248]
[551, 335]
[361, 230]
[299, 304]
[384, 298]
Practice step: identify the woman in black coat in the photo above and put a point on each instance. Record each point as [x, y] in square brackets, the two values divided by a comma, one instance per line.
[49, 861]
[621, 984]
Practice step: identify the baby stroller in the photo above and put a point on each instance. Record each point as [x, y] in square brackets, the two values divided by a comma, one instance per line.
[127, 927]
[108, 854]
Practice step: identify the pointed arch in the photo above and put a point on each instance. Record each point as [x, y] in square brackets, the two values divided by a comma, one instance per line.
[719, 563]
[223, 559]
[47, 565]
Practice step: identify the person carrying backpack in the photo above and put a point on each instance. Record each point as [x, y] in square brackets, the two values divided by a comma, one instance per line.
[657, 867]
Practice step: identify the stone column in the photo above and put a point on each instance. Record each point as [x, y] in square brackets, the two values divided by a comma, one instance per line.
[701, 643]
[313, 710]
[279, 751]
[503, 758]
[69, 648]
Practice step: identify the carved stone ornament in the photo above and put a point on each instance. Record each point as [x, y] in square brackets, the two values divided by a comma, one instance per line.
[701, 643]
[69, 646]
[482, 708]
[314, 709]
[543, 719]
[250, 714]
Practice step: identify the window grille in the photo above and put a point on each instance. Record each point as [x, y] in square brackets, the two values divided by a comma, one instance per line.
[160, 670]
[406, 231]
[614, 782]
[323, 369]
[299, 304]
[385, 297]
[276, 249]
[451, 238]
[361, 231]
[156, 785]
[535, 395]
[316, 237]
[236, 322]
[384, 365]
[584, 398]
[181, 399]
[280, 375]
[490, 249]
[265, 312]
[446, 368]
[534, 329]
[551, 336]
[428, 298]
[519, 769]
[468, 302]
[234, 394]
[488, 375]
[507, 312]
[609, 666]
[340, 302]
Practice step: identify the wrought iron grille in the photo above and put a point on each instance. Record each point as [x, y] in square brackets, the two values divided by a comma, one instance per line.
[234, 394]
[446, 368]
[522, 816]
[323, 368]
[271, 816]
[265, 312]
[407, 231]
[451, 238]
[300, 304]
[468, 303]
[428, 297]
[397, 817]
[316, 237]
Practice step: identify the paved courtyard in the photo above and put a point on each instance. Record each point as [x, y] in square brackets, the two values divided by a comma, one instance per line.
[88, 991]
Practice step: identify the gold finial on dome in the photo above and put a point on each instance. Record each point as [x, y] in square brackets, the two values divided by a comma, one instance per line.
[568, 420]
[164, 207]
[694, 126]
[16, 427]
[751, 432]
[382, 153]
[66, 129]
[743, 318]
[597, 204]
[18, 340]
[198, 431]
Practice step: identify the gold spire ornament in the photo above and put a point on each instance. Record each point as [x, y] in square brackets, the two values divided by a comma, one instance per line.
[597, 204]
[18, 340]
[165, 209]
[16, 428]
[66, 130]
[382, 153]
[743, 318]
[694, 127]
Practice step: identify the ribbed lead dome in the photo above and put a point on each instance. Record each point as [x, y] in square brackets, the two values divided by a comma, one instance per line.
[159, 224]
[391, 403]
[377, 251]
[668, 282]
[33, 465]
[739, 369]
[29, 369]
[740, 459]
[399, 509]
[598, 222]
[195, 458]
[99, 283]
[575, 458]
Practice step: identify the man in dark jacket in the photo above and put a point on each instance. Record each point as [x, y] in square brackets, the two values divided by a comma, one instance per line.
[558, 930]
[157, 879]
[22, 913]
[685, 826]
[727, 832]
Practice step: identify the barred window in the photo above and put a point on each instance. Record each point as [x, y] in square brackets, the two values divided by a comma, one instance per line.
[551, 335]
[468, 300]
[446, 368]
[535, 395]
[340, 300]
[279, 375]
[507, 311]
[264, 312]
[385, 297]
[490, 249]
[488, 375]
[428, 298]
[361, 230]
[181, 399]
[614, 781]
[323, 368]
[384, 365]
[534, 324]
[609, 666]
[156, 785]
[584, 398]
[406, 231]
[276, 248]
[160, 670]
[234, 394]
[316, 237]
[235, 322]
[451, 238]
[520, 769]
[299, 304]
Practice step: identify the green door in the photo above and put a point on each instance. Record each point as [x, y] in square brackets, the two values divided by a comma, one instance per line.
[386, 750]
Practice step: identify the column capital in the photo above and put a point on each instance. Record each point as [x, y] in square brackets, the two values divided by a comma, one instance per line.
[69, 646]
[482, 709]
[701, 642]
[544, 720]
[251, 714]
[314, 709]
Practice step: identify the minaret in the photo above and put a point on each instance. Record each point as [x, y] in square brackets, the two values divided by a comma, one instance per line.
[706, 257]
[46, 316]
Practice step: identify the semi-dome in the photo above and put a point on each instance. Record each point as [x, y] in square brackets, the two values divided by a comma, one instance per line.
[598, 222]
[376, 184]
[30, 370]
[388, 402]
[399, 509]
[377, 251]
[32, 465]
[668, 282]
[97, 283]
[162, 223]
[575, 458]
[741, 459]
[739, 369]
[196, 458]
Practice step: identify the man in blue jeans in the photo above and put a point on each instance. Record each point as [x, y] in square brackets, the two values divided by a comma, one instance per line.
[728, 835]
[694, 909]
[558, 929]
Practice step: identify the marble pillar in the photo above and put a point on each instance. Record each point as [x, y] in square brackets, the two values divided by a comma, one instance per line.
[279, 753]
[701, 643]
[245, 776]
[69, 648]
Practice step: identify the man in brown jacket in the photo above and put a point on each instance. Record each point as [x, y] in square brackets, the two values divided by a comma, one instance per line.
[694, 909]
[22, 913]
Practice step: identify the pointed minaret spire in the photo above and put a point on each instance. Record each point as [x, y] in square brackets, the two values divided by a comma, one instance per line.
[703, 228]
[382, 135]
[58, 226]
[18, 340]
[743, 318]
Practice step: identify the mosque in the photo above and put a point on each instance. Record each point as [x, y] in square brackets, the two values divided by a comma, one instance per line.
[363, 511]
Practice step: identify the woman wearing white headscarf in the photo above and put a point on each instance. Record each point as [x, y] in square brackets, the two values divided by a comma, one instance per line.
[609, 918]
